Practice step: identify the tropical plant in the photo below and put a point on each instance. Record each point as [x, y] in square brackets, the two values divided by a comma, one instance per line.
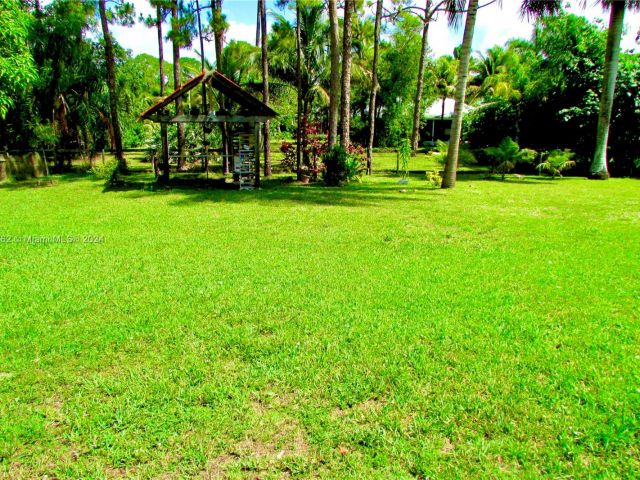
[599, 169]
[334, 88]
[404, 155]
[444, 77]
[262, 29]
[335, 166]
[556, 162]
[507, 155]
[347, 38]
[451, 166]
[107, 171]
[374, 85]
[343, 165]
[533, 8]
[17, 69]
[124, 12]
[466, 156]
[434, 179]
[180, 36]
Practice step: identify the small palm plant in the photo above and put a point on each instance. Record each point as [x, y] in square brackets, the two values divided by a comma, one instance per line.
[507, 155]
[404, 154]
[465, 155]
[556, 162]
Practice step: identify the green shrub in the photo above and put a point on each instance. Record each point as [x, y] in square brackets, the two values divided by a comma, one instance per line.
[335, 171]
[506, 156]
[105, 171]
[465, 155]
[556, 162]
[434, 179]
[404, 154]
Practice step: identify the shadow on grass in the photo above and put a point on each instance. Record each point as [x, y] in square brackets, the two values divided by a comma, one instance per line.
[43, 182]
[190, 189]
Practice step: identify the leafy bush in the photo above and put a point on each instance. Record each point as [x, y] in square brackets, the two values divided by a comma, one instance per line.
[556, 162]
[465, 155]
[105, 171]
[507, 155]
[335, 166]
[341, 166]
[434, 178]
[404, 154]
[288, 163]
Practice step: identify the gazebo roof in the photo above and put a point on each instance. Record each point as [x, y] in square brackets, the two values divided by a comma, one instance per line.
[250, 104]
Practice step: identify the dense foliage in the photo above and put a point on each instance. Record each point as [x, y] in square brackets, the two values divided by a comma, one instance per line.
[543, 92]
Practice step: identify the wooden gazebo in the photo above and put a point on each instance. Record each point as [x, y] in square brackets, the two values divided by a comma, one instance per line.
[250, 115]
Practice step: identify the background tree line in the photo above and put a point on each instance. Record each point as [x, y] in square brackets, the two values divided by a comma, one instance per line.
[366, 77]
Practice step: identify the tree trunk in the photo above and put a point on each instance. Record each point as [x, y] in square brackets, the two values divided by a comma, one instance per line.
[299, 88]
[417, 102]
[111, 82]
[345, 114]
[444, 102]
[265, 85]
[177, 83]
[258, 24]
[334, 52]
[450, 171]
[164, 178]
[160, 48]
[374, 86]
[218, 33]
[599, 168]
[163, 130]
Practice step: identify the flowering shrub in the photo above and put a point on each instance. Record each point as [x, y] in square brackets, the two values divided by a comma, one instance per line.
[315, 148]
[288, 163]
[343, 166]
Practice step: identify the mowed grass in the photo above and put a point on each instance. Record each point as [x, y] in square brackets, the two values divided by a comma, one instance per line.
[373, 331]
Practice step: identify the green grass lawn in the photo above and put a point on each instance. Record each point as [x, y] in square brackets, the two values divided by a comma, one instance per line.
[373, 331]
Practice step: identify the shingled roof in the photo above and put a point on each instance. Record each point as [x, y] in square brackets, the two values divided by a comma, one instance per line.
[224, 85]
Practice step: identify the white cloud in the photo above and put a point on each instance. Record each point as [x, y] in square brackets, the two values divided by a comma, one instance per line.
[495, 25]
[241, 31]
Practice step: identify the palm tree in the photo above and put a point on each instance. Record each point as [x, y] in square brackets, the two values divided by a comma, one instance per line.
[426, 15]
[445, 78]
[299, 94]
[334, 52]
[262, 14]
[529, 8]
[417, 107]
[599, 168]
[374, 85]
[111, 82]
[176, 40]
[219, 26]
[449, 179]
[345, 113]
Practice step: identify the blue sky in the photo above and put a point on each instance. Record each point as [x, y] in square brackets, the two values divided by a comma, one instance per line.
[495, 25]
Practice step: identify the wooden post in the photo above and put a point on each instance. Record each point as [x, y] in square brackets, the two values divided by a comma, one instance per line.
[258, 148]
[46, 165]
[3, 168]
[165, 153]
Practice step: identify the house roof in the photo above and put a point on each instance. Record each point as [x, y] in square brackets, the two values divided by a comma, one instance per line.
[224, 85]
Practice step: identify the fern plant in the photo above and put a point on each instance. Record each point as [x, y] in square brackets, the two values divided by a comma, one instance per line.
[465, 156]
[507, 155]
[556, 162]
[404, 154]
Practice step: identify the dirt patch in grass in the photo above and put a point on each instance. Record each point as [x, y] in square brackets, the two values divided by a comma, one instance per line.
[262, 452]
